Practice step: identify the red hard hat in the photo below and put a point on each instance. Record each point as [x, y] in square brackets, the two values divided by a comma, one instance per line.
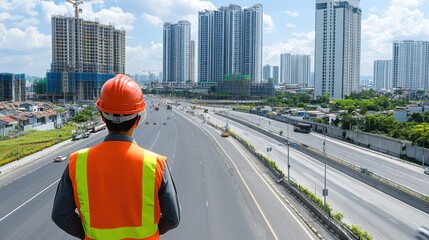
[121, 95]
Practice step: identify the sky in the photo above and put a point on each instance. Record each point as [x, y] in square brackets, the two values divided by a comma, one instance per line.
[25, 28]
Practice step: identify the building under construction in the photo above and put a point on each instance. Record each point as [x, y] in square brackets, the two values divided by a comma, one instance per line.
[85, 54]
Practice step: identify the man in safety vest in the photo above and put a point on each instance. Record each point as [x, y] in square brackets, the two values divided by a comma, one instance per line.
[120, 190]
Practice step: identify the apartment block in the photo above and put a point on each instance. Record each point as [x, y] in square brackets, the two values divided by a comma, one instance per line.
[295, 69]
[85, 54]
[410, 65]
[176, 65]
[383, 75]
[337, 47]
[230, 42]
[12, 87]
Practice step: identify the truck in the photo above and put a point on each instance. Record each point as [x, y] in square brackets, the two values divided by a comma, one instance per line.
[302, 127]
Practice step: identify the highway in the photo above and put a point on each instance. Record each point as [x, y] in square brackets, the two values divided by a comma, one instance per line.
[384, 217]
[406, 174]
[222, 195]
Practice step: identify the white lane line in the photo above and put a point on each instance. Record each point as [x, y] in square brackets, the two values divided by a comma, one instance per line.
[271, 189]
[20, 206]
[242, 179]
[248, 189]
[157, 135]
[393, 221]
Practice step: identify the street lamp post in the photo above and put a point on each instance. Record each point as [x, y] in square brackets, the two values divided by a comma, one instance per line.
[288, 146]
[325, 190]
[423, 160]
[269, 149]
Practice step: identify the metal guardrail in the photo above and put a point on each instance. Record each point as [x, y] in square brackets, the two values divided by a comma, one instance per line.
[403, 193]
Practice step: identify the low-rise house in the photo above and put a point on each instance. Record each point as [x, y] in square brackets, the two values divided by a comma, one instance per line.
[7, 124]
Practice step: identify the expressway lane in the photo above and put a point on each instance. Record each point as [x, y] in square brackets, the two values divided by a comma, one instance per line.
[215, 202]
[381, 215]
[403, 173]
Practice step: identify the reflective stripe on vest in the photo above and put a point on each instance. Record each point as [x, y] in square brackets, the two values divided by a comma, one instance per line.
[148, 227]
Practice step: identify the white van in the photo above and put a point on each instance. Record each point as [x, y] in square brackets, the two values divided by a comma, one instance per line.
[423, 233]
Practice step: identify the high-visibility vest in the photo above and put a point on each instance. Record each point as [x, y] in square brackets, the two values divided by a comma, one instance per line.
[111, 203]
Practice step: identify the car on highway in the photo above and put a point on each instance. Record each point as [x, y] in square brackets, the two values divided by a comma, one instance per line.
[224, 134]
[164, 123]
[146, 122]
[77, 137]
[154, 123]
[423, 233]
[426, 171]
[60, 158]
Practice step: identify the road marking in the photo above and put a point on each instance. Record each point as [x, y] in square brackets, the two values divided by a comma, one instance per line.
[20, 206]
[157, 135]
[269, 187]
[248, 189]
[393, 221]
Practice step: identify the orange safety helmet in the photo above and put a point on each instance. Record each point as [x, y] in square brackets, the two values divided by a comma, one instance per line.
[120, 95]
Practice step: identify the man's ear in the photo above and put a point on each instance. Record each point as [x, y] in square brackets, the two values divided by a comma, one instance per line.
[136, 123]
[102, 117]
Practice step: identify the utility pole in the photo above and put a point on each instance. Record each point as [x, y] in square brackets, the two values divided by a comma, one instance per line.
[288, 146]
[423, 160]
[325, 190]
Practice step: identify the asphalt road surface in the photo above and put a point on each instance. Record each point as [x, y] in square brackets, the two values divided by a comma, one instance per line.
[222, 195]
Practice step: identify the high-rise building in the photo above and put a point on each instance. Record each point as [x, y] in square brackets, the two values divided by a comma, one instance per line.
[411, 64]
[337, 47]
[192, 63]
[85, 54]
[176, 65]
[12, 87]
[285, 66]
[230, 42]
[266, 72]
[295, 69]
[276, 75]
[383, 75]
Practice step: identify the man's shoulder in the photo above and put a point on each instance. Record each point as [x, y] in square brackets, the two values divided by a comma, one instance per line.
[159, 157]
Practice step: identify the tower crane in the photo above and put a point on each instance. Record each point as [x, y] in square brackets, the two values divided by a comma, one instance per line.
[149, 71]
[76, 4]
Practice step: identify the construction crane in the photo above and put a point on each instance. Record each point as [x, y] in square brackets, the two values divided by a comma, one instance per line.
[76, 4]
[149, 71]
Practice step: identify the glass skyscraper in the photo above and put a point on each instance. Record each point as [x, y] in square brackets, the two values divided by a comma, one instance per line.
[230, 42]
[176, 65]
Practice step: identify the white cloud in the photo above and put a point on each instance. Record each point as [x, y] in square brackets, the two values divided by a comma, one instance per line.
[292, 14]
[154, 20]
[140, 58]
[300, 43]
[26, 22]
[268, 23]
[290, 25]
[30, 38]
[19, 6]
[407, 3]
[50, 9]
[114, 15]
[177, 8]
[399, 22]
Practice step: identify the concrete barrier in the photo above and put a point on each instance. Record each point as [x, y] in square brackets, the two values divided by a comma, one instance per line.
[402, 193]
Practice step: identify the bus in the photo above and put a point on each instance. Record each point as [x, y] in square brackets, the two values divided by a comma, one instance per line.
[302, 127]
